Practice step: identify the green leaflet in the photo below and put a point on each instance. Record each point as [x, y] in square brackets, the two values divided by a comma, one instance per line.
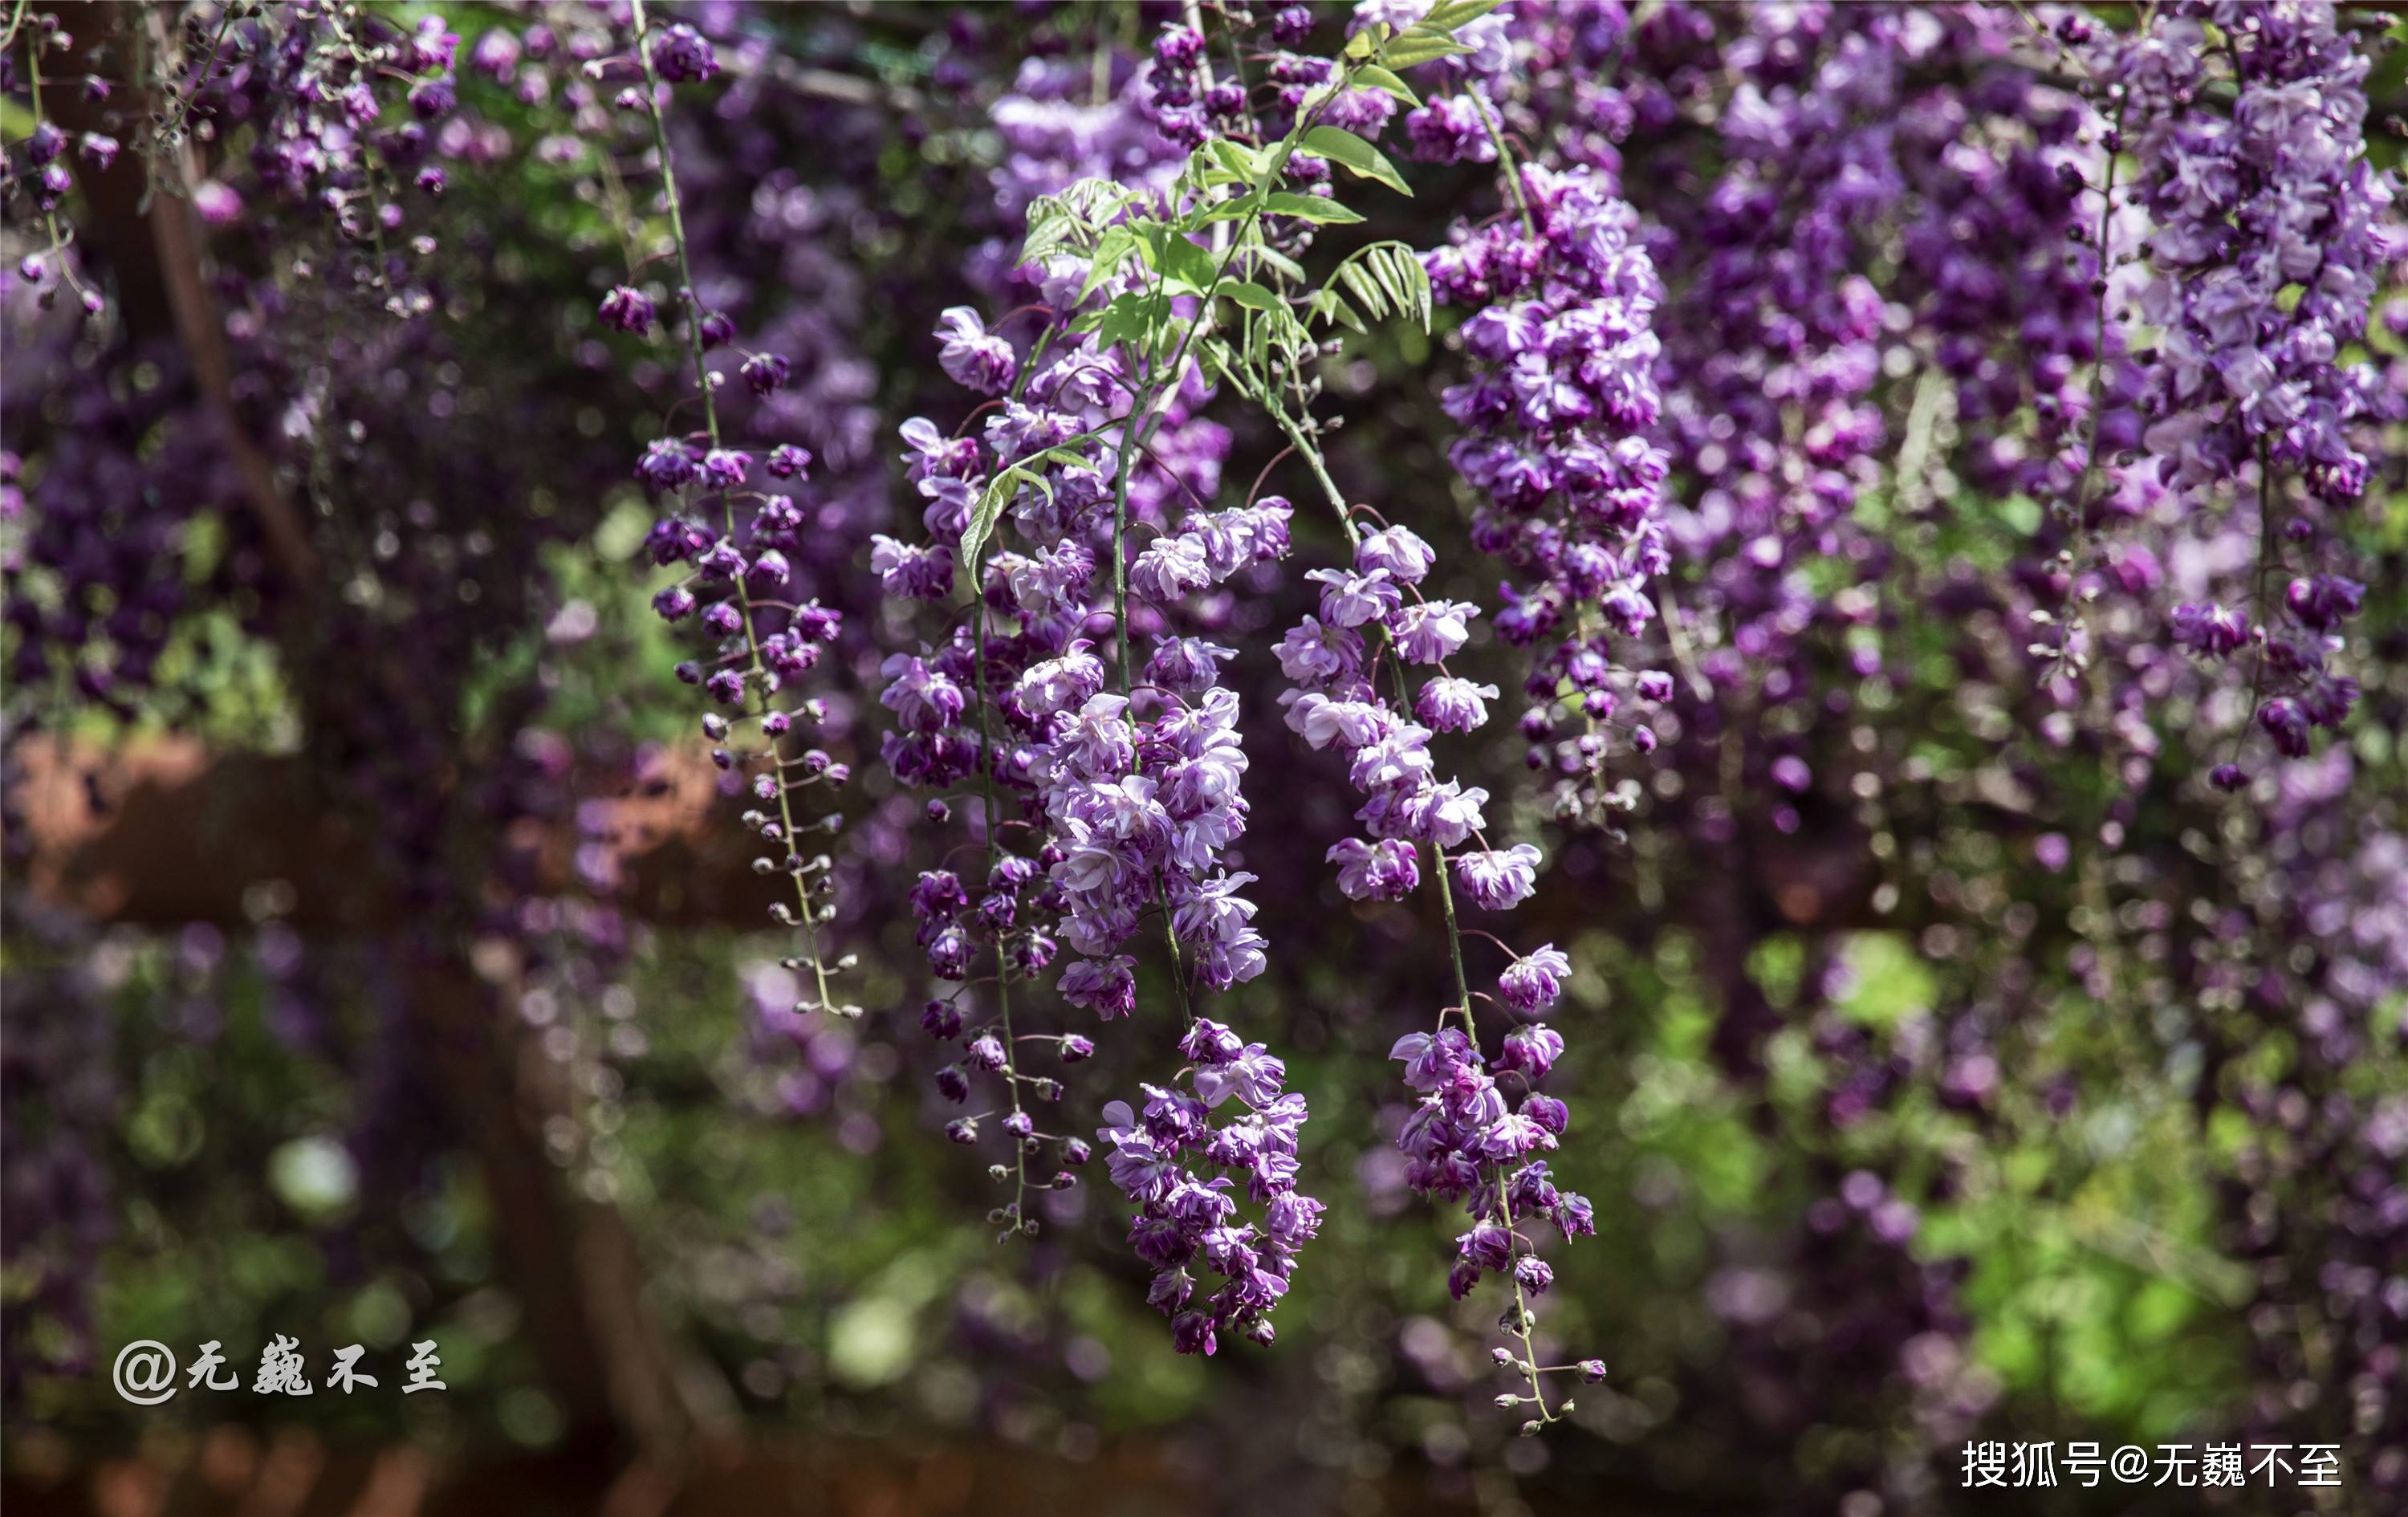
[1360, 157]
[1314, 208]
[1000, 491]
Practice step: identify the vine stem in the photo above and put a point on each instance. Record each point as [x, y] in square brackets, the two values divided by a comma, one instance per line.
[2070, 613]
[1002, 960]
[2267, 550]
[1511, 171]
[754, 680]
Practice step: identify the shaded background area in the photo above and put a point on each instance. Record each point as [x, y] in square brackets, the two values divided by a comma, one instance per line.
[382, 961]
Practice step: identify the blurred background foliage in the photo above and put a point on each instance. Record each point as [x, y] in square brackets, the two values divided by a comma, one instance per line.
[815, 1251]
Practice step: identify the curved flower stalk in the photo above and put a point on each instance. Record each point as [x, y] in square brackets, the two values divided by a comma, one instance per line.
[760, 644]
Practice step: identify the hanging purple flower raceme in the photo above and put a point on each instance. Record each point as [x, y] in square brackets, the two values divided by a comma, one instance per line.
[1187, 1222]
[1095, 463]
[1557, 436]
[1129, 797]
[758, 645]
[1468, 1141]
[2275, 194]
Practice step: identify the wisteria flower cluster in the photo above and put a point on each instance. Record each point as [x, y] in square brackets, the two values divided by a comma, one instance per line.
[2278, 196]
[1185, 1220]
[1558, 435]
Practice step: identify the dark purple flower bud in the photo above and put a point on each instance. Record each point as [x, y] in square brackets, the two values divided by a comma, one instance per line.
[766, 373]
[431, 181]
[718, 329]
[434, 97]
[1547, 1112]
[1019, 1124]
[962, 1130]
[953, 1085]
[2287, 724]
[1177, 48]
[2325, 600]
[2207, 628]
[44, 143]
[666, 464]
[724, 468]
[788, 462]
[1075, 1048]
[941, 1019]
[1210, 1043]
[626, 308]
[1191, 1332]
[682, 56]
[1593, 1371]
[674, 604]
[1575, 1217]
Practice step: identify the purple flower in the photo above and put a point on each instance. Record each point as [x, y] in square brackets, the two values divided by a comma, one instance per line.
[2324, 601]
[1499, 880]
[1397, 549]
[1531, 1050]
[682, 56]
[1430, 632]
[913, 571]
[1351, 599]
[2209, 629]
[1254, 1077]
[767, 374]
[724, 468]
[1386, 870]
[1107, 987]
[919, 695]
[971, 356]
[218, 205]
[1449, 704]
[2287, 724]
[1533, 981]
[666, 464]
